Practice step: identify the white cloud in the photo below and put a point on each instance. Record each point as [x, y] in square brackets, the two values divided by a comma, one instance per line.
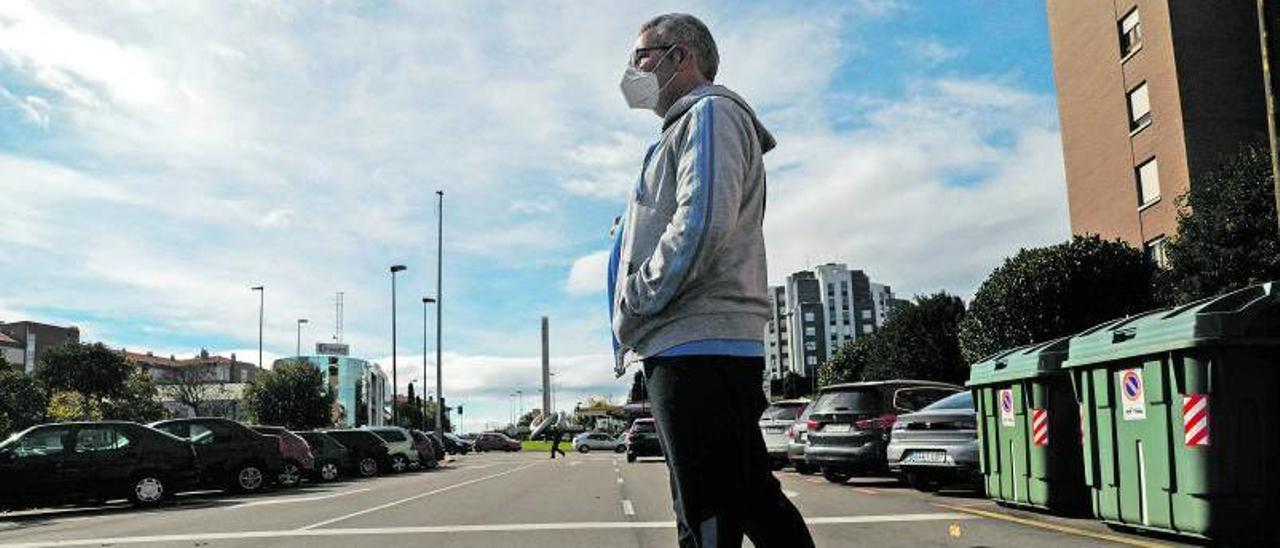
[931, 51]
[587, 276]
[277, 218]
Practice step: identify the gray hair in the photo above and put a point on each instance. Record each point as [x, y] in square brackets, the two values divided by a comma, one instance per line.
[685, 29]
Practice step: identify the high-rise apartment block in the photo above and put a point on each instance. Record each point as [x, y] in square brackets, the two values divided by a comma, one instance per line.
[1152, 95]
[817, 312]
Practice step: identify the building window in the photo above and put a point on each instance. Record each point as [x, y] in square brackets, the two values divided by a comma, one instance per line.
[866, 314]
[1139, 108]
[1130, 33]
[1148, 182]
[1157, 252]
[808, 316]
[811, 360]
[810, 346]
[810, 332]
[868, 328]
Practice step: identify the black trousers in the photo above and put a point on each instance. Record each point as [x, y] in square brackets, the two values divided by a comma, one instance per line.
[555, 445]
[707, 410]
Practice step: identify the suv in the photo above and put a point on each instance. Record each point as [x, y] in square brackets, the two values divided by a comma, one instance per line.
[495, 441]
[93, 461]
[456, 445]
[848, 429]
[642, 440]
[368, 452]
[775, 421]
[331, 457]
[796, 436]
[298, 460]
[400, 445]
[228, 453]
[937, 445]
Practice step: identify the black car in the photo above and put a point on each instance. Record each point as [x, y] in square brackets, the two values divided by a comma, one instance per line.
[457, 445]
[331, 456]
[850, 424]
[368, 452]
[430, 451]
[229, 455]
[93, 461]
[642, 440]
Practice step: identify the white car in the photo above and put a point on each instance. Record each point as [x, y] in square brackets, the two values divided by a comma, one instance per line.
[585, 442]
[399, 447]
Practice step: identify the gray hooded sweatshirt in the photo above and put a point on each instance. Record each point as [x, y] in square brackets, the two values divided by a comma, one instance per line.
[688, 260]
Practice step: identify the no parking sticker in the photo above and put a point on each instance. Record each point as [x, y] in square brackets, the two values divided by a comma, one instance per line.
[1132, 395]
[1006, 407]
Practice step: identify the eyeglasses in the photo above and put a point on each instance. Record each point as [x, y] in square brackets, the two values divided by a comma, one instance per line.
[640, 53]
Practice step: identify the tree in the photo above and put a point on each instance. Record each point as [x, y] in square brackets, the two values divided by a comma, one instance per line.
[920, 341]
[91, 370]
[847, 364]
[1226, 231]
[1044, 293]
[293, 395]
[22, 401]
[140, 402]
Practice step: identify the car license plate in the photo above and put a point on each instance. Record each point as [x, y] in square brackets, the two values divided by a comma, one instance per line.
[836, 428]
[926, 457]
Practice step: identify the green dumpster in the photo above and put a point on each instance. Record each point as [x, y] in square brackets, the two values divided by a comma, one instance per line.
[1182, 417]
[1029, 429]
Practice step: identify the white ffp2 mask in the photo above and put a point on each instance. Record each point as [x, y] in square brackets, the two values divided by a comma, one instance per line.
[641, 88]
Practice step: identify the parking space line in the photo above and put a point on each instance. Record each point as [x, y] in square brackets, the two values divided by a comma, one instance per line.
[1055, 527]
[866, 491]
[620, 480]
[416, 497]
[447, 529]
[628, 508]
[248, 503]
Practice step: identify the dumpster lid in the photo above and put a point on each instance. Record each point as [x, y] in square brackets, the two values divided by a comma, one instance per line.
[1249, 315]
[1024, 362]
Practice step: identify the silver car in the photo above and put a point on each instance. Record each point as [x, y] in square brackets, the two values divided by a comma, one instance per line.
[937, 445]
[774, 424]
[587, 441]
[403, 454]
[795, 442]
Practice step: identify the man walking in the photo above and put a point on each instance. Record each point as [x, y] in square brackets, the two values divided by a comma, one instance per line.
[556, 436]
[687, 290]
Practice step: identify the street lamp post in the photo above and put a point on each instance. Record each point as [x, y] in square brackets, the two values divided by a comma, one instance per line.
[395, 387]
[261, 302]
[425, 301]
[298, 347]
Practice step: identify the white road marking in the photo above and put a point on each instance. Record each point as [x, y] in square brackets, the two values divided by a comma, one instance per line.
[416, 497]
[628, 508]
[506, 527]
[260, 502]
[791, 494]
[575, 463]
[619, 480]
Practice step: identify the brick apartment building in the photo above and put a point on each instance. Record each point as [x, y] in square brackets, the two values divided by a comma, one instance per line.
[1152, 94]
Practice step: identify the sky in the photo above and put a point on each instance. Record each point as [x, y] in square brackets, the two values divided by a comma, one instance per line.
[157, 159]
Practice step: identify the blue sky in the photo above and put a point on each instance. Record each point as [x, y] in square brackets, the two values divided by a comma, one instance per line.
[158, 159]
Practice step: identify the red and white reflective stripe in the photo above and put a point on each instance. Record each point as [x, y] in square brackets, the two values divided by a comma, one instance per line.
[1195, 419]
[1082, 425]
[1040, 427]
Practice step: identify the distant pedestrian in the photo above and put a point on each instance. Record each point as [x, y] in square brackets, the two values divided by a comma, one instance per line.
[556, 435]
[687, 286]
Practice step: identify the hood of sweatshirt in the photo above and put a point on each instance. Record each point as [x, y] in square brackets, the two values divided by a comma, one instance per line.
[682, 105]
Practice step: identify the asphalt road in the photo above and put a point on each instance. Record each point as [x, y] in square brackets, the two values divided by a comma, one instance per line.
[527, 500]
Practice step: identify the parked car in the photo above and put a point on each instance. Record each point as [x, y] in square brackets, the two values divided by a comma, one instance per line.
[400, 445]
[441, 447]
[774, 422]
[587, 441]
[369, 453]
[495, 441]
[850, 423]
[331, 457]
[937, 445]
[229, 455]
[426, 447]
[299, 462]
[642, 440]
[93, 461]
[796, 436]
[457, 445]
